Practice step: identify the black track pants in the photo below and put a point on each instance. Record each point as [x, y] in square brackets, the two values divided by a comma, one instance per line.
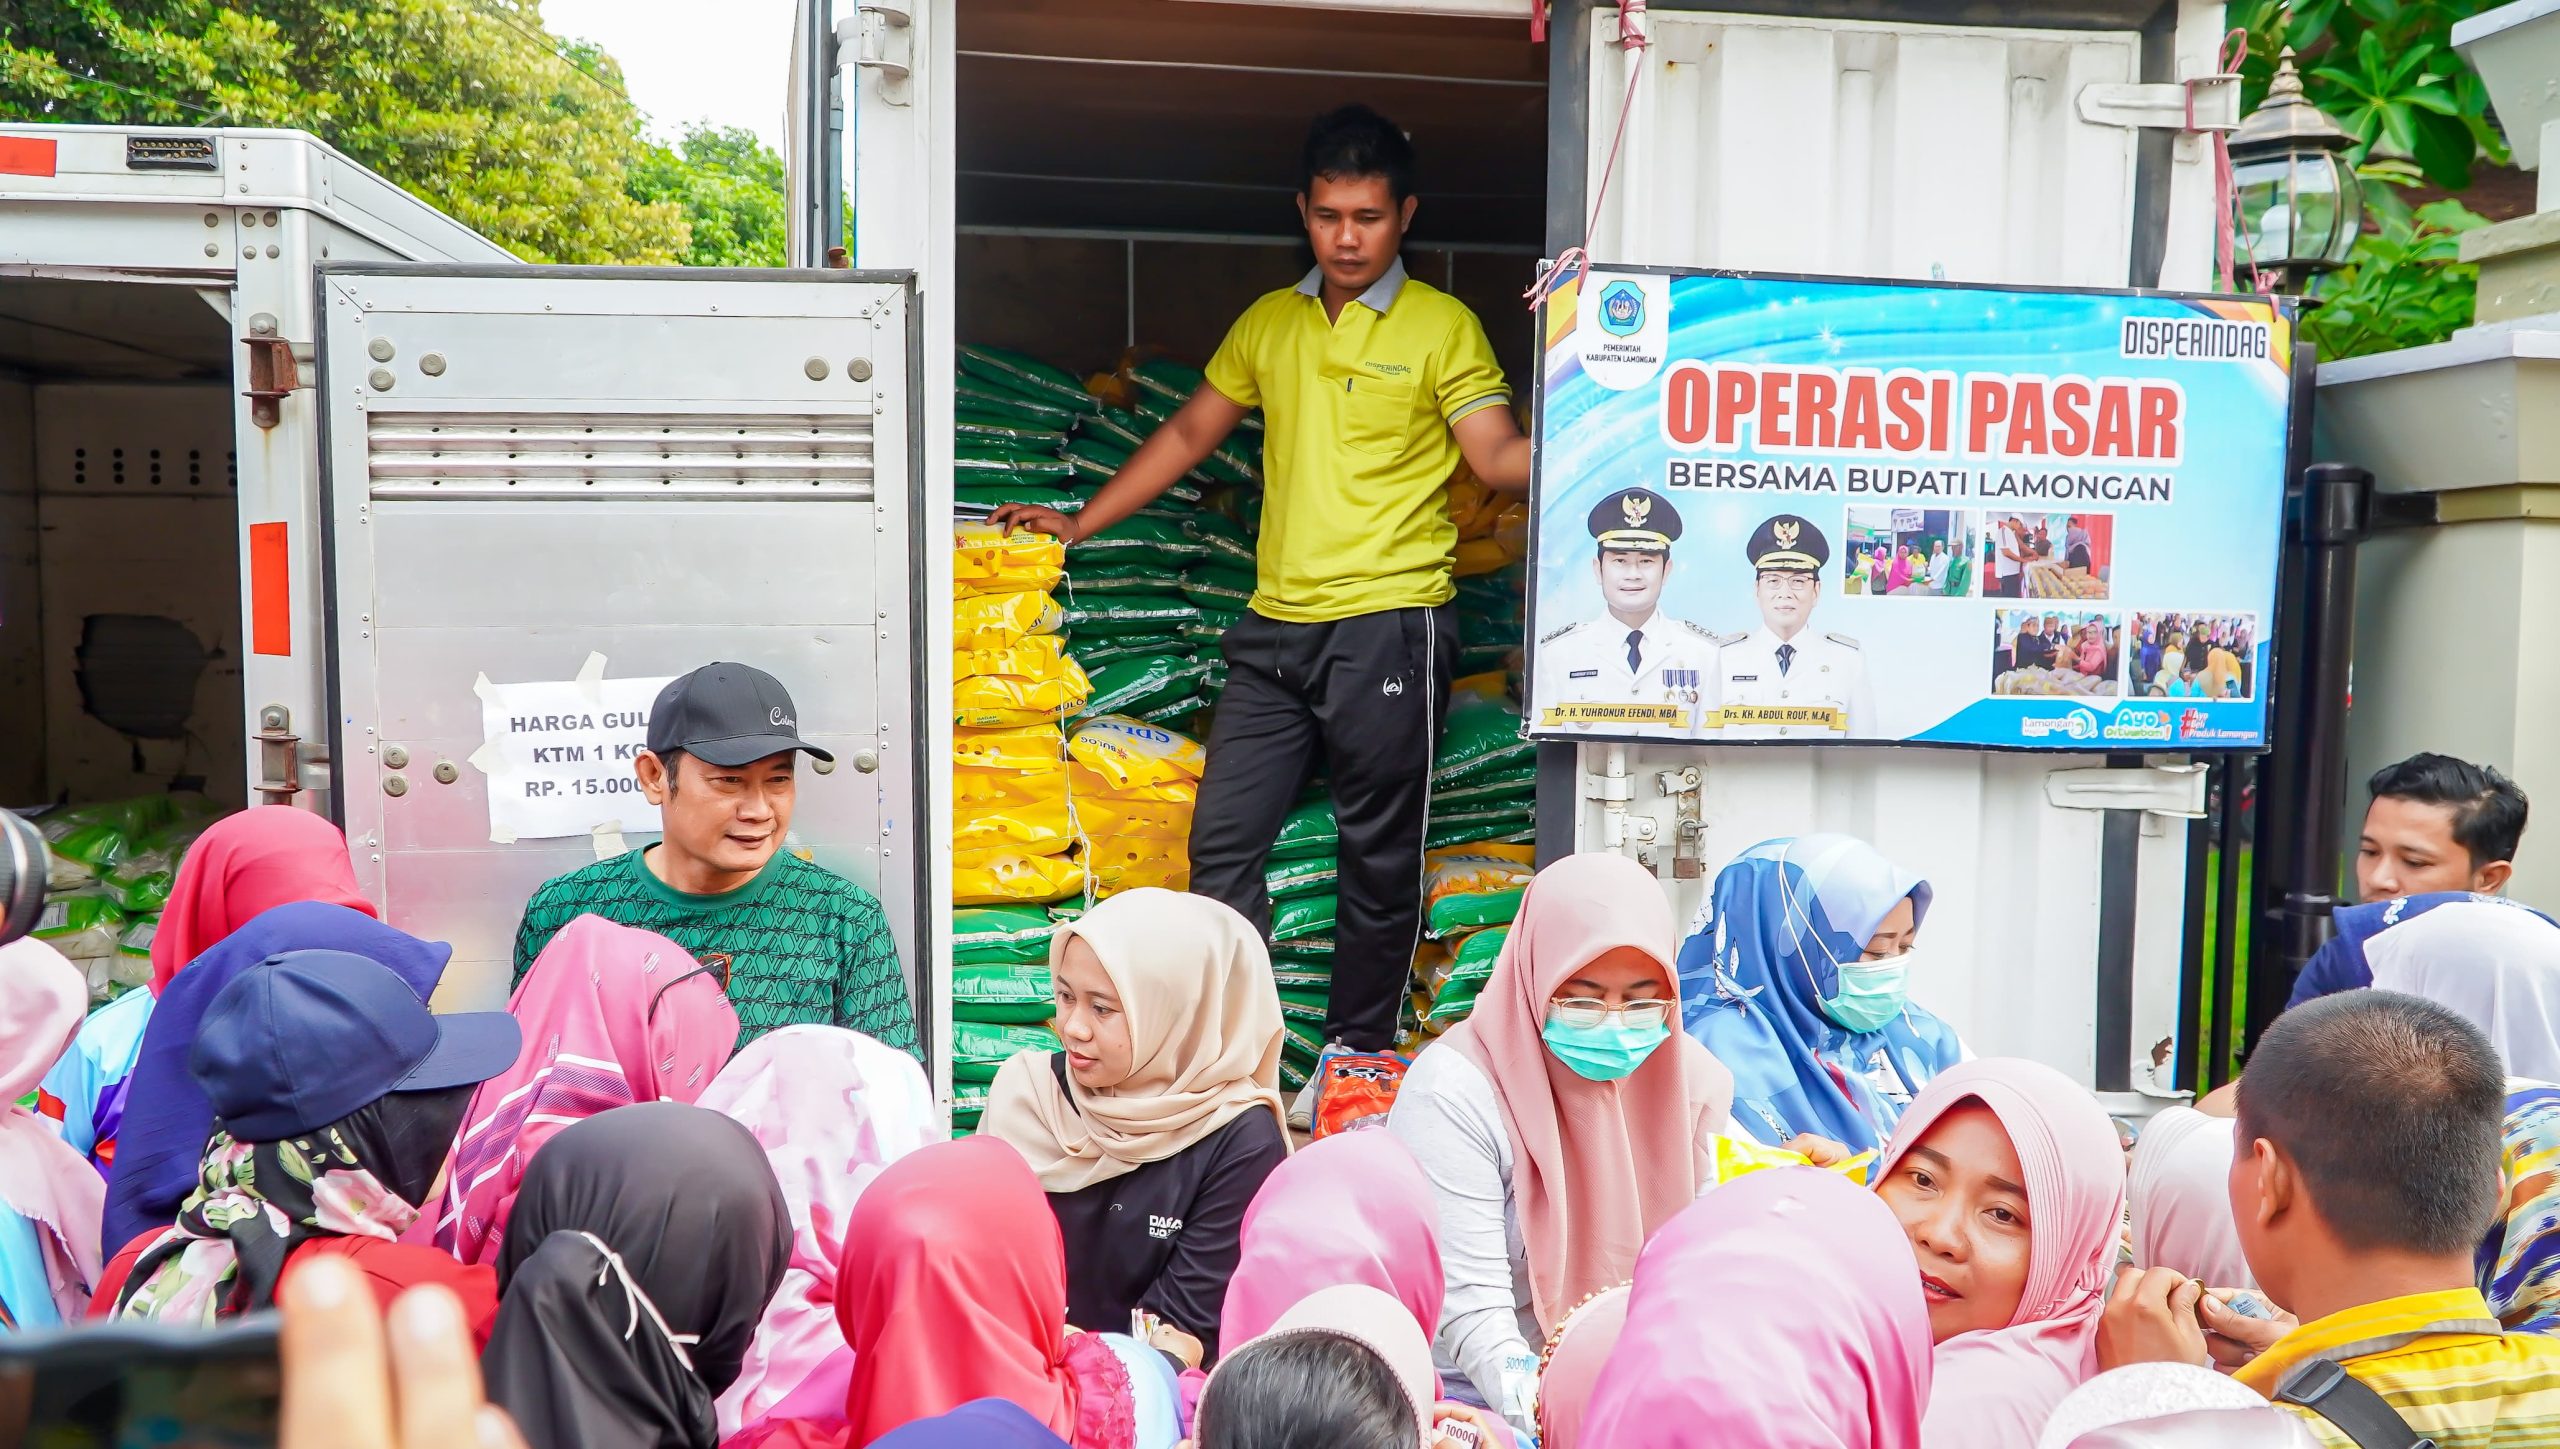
[1367, 696]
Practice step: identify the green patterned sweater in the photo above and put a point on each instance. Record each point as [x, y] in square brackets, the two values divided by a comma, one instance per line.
[804, 944]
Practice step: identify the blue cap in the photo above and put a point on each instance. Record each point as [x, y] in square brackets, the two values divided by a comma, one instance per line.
[305, 1038]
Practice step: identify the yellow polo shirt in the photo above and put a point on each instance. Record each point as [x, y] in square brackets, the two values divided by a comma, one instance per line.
[1356, 447]
[2440, 1360]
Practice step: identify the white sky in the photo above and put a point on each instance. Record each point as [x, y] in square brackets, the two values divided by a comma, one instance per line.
[684, 61]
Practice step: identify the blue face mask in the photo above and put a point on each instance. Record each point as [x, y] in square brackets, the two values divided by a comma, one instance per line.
[1871, 992]
[1603, 1053]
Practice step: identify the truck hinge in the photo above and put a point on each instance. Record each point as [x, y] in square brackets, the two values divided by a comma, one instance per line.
[279, 756]
[2176, 791]
[2199, 103]
[880, 36]
[1689, 831]
[273, 377]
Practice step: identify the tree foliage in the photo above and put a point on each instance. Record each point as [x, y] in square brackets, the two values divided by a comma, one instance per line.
[472, 104]
[730, 187]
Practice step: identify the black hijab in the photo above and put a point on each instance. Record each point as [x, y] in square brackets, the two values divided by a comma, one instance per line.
[661, 1202]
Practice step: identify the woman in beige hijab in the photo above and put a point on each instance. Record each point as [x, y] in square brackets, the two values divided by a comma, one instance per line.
[1155, 1127]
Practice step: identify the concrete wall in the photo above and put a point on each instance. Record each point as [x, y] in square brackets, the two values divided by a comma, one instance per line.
[2457, 636]
[21, 637]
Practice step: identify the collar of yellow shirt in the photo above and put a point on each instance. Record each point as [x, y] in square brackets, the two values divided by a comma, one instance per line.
[1380, 296]
[2372, 1328]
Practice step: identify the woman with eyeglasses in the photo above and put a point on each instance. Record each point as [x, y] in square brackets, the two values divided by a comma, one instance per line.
[1560, 1124]
[1798, 978]
[612, 1015]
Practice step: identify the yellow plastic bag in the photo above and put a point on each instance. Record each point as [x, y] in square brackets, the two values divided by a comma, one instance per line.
[1469, 886]
[1034, 656]
[998, 877]
[1088, 784]
[1131, 754]
[1165, 865]
[996, 621]
[990, 560]
[1105, 817]
[993, 700]
[1731, 1157]
[1037, 747]
[1025, 820]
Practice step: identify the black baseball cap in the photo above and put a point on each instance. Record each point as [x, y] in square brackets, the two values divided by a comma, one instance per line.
[729, 715]
[304, 1038]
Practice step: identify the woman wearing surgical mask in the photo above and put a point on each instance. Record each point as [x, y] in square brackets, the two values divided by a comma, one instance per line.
[1560, 1124]
[1798, 979]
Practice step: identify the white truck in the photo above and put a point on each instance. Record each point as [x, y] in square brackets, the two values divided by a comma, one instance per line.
[455, 469]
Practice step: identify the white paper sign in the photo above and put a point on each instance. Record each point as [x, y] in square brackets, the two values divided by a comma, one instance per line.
[559, 756]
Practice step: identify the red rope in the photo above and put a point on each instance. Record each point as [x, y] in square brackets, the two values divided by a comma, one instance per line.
[1632, 38]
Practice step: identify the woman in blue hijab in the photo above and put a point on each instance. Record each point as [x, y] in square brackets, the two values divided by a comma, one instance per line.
[1798, 979]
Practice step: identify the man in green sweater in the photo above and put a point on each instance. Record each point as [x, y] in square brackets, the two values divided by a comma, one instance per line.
[799, 942]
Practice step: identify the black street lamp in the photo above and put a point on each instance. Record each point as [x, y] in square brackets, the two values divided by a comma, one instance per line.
[2301, 206]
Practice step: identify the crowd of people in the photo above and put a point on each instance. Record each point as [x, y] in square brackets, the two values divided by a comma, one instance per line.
[1926, 567]
[2181, 656]
[1737, 1189]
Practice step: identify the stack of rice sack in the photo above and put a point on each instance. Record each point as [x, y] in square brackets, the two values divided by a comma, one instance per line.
[1012, 684]
[1134, 630]
[112, 868]
[1001, 1001]
[1301, 878]
[1471, 895]
[1134, 785]
[1484, 781]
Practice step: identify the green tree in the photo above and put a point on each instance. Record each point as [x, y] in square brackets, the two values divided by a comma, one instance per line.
[471, 104]
[730, 187]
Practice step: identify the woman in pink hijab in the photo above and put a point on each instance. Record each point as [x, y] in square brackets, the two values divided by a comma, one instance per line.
[241, 866]
[1562, 1123]
[2009, 1182]
[1353, 1208]
[1776, 1313]
[50, 1198]
[1576, 1352]
[612, 1015]
[832, 1108]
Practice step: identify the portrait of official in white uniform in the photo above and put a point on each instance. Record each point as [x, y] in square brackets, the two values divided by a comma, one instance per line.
[1787, 680]
[1634, 669]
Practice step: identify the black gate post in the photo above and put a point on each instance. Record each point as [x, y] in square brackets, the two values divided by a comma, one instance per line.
[2312, 750]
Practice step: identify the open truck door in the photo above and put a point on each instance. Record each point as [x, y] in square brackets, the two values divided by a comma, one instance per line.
[548, 489]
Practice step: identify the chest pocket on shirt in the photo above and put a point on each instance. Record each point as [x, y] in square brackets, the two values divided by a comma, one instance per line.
[1377, 414]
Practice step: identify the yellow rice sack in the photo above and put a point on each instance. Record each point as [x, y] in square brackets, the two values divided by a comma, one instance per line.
[995, 621]
[1165, 865]
[992, 700]
[1008, 810]
[1103, 817]
[1000, 877]
[1034, 656]
[1132, 754]
[1088, 784]
[990, 560]
[1020, 747]
[1732, 1157]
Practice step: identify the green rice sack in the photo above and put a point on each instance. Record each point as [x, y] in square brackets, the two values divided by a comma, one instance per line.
[986, 934]
[1517, 787]
[1302, 973]
[1303, 1004]
[1483, 737]
[1218, 589]
[985, 401]
[1472, 955]
[1176, 711]
[1002, 991]
[1159, 538]
[1131, 614]
[1308, 830]
[1453, 1002]
[1020, 373]
[1302, 917]
[972, 432]
[978, 1048]
[1300, 877]
[1117, 428]
[1513, 829]
[1130, 686]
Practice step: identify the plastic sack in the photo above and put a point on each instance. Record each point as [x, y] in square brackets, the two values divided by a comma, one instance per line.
[1731, 1157]
[1307, 831]
[1437, 836]
[1301, 972]
[1169, 872]
[1472, 955]
[1085, 785]
[141, 882]
[1002, 991]
[1452, 1003]
[968, 432]
[1034, 656]
[1158, 584]
[1020, 748]
[96, 847]
[1177, 712]
[998, 810]
[979, 1048]
[975, 398]
[993, 621]
[1302, 1003]
[1311, 876]
[1159, 539]
[1218, 589]
[1133, 755]
[996, 877]
[995, 701]
[1511, 790]
[1123, 615]
[84, 925]
[990, 560]
[1302, 917]
[1471, 886]
[1029, 376]
[1011, 935]
[1108, 817]
[1356, 1088]
[1482, 737]
[132, 959]
[1129, 686]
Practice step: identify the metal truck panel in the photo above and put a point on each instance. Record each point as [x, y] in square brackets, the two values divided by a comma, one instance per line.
[663, 468]
[1917, 151]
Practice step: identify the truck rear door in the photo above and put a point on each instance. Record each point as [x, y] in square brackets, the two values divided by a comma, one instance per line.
[549, 489]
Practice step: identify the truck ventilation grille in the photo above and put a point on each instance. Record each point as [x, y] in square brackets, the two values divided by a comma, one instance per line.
[587, 455]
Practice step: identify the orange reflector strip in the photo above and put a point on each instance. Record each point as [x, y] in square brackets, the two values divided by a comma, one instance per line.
[26, 155]
[270, 590]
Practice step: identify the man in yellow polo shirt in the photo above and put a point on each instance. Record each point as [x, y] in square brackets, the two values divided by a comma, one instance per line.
[2368, 1170]
[1373, 386]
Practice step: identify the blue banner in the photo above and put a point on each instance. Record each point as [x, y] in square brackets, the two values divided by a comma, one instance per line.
[1818, 511]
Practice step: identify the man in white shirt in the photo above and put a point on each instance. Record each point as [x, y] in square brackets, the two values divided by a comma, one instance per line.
[1784, 680]
[1634, 669]
[2009, 560]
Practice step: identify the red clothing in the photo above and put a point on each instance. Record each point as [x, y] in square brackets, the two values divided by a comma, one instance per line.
[389, 1267]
